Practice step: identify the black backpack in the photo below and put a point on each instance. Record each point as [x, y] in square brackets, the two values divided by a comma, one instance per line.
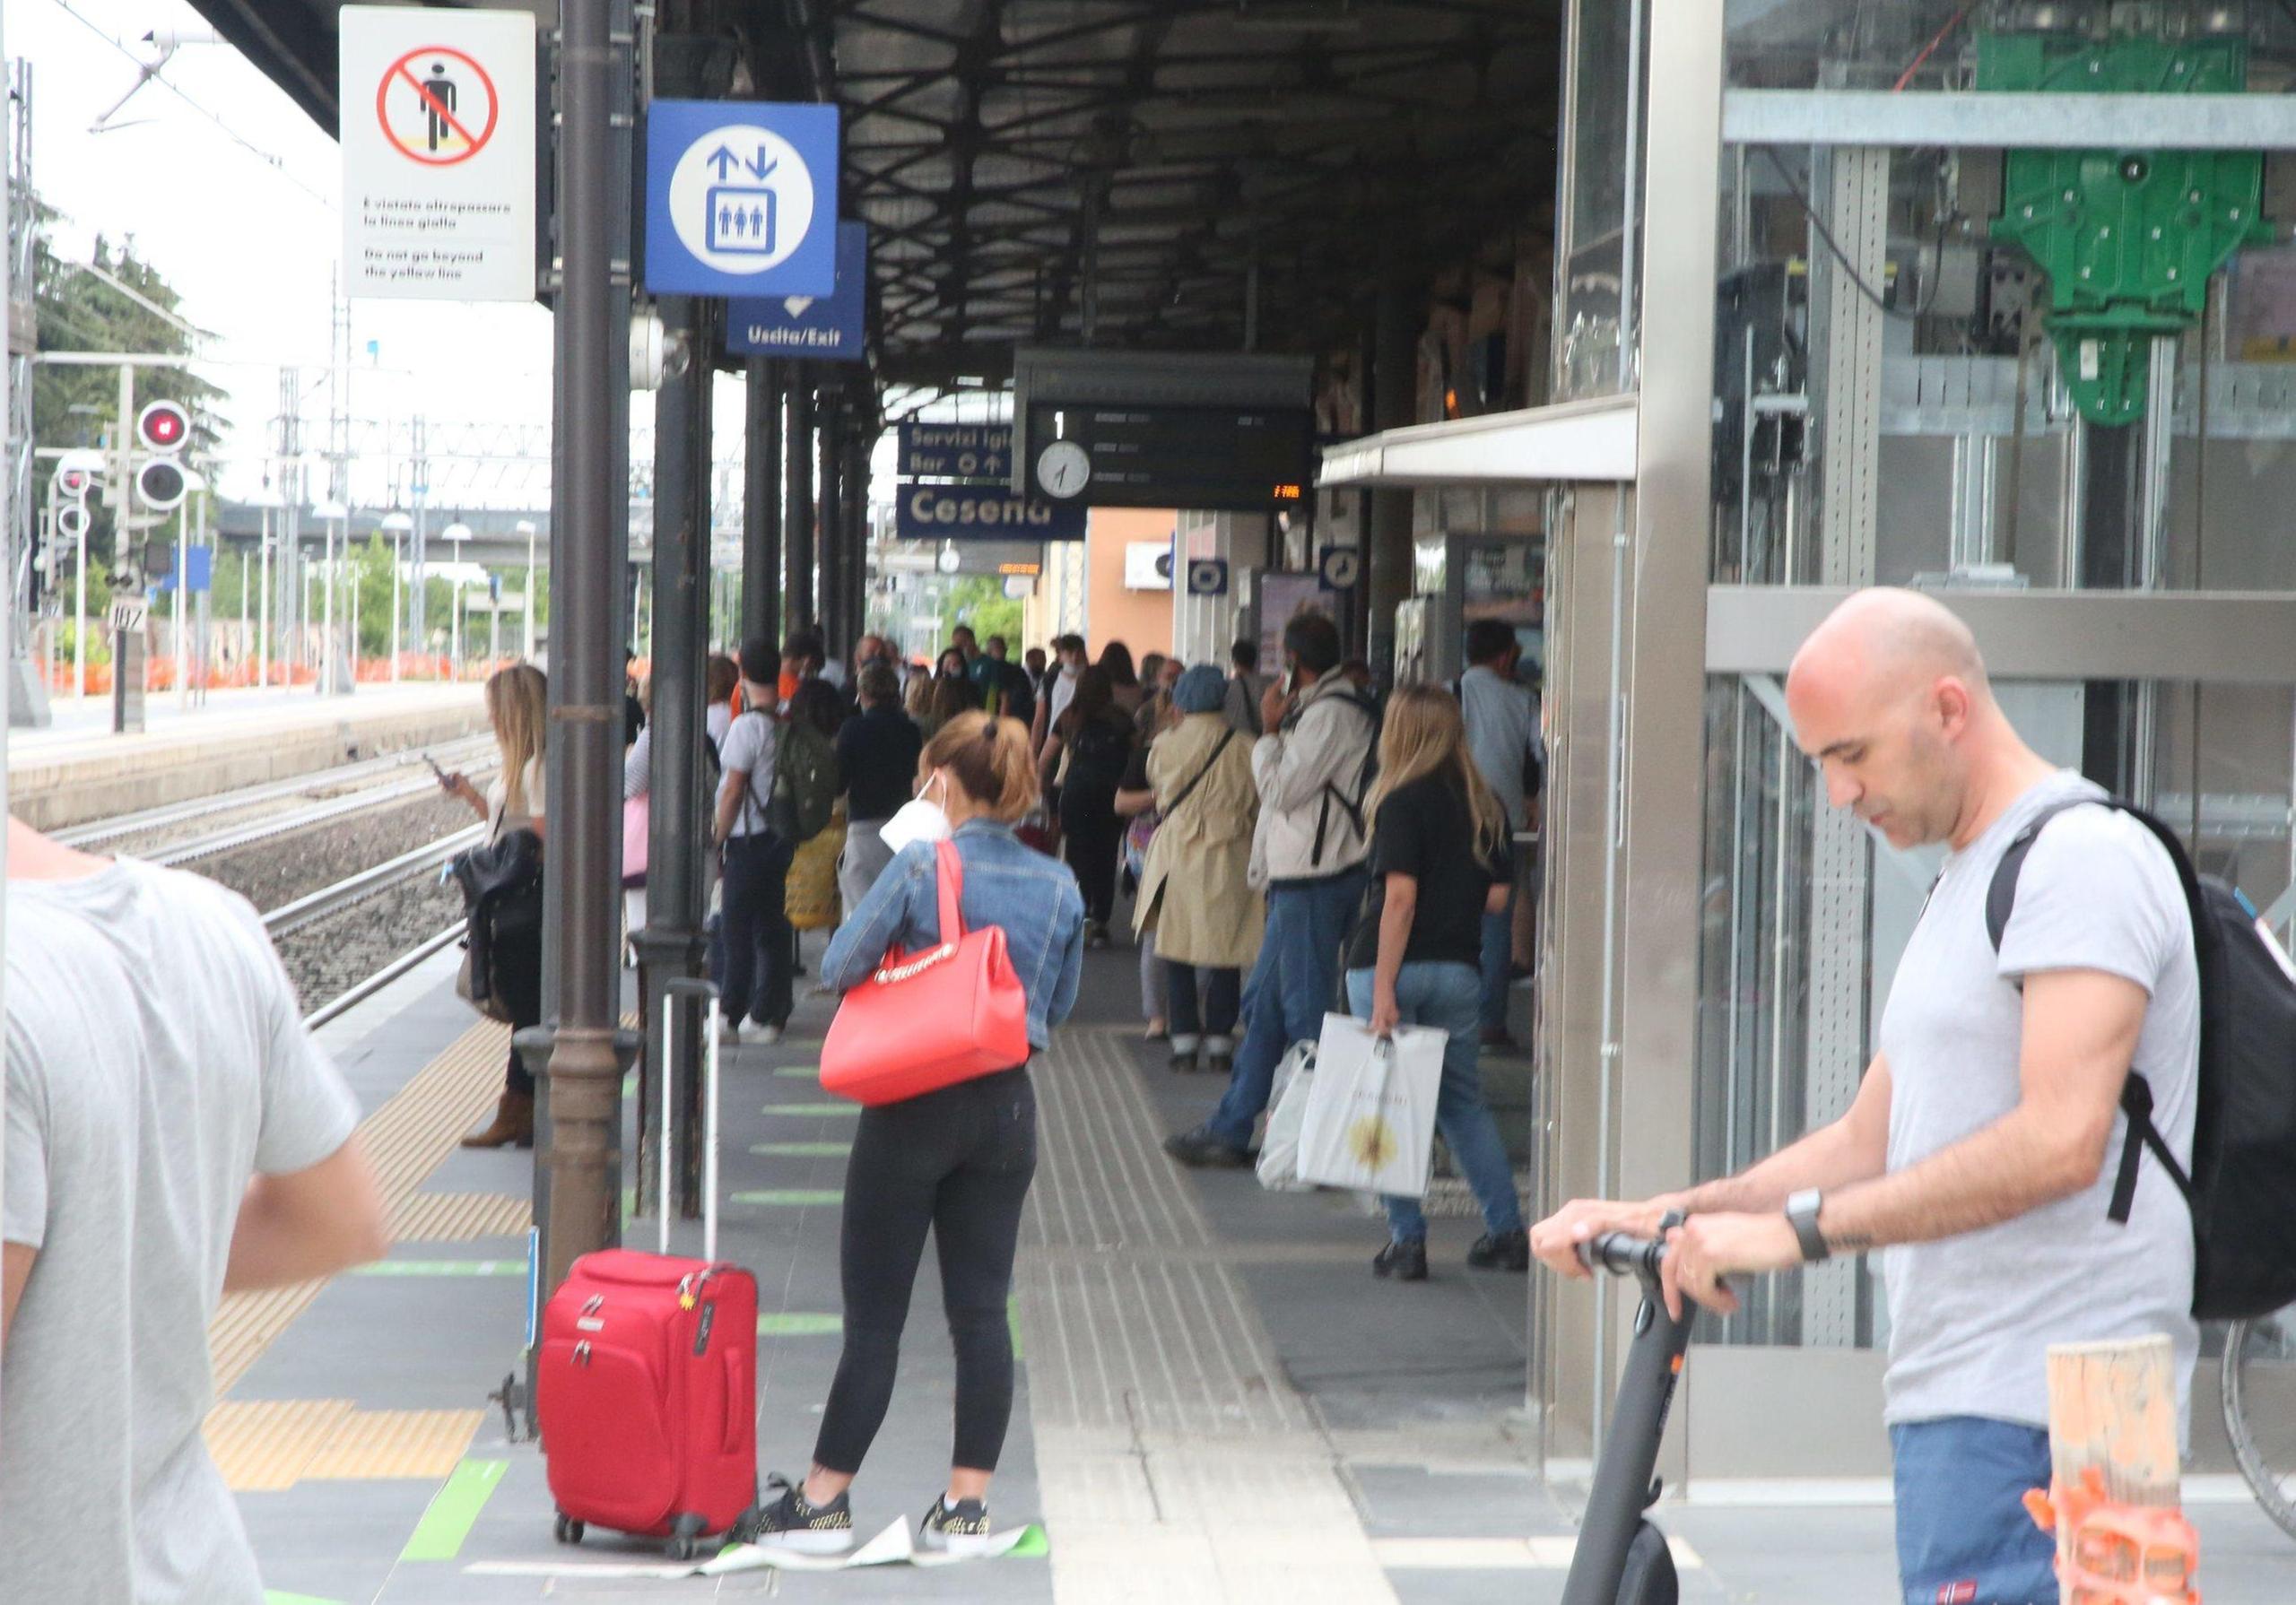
[2242, 1189]
[806, 782]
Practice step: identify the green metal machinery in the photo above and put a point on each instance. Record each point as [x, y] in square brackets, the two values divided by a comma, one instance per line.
[2128, 237]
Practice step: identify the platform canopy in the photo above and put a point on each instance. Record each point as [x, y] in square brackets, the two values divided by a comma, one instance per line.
[1121, 171]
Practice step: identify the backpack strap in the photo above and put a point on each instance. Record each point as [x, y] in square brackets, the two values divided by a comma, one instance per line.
[1198, 778]
[2135, 1092]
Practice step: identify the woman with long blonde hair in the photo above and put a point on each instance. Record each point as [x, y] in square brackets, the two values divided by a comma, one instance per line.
[517, 706]
[1438, 862]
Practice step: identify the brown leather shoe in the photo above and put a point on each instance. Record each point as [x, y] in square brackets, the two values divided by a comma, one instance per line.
[514, 1123]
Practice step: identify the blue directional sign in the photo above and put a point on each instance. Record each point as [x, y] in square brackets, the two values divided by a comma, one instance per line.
[741, 198]
[201, 563]
[982, 512]
[820, 328]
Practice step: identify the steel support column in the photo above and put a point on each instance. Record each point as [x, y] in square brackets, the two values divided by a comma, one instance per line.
[861, 437]
[1388, 555]
[761, 501]
[797, 606]
[831, 440]
[669, 946]
[578, 1146]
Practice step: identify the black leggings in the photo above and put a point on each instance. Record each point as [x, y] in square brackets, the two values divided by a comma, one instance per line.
[960, 1161]
[517, 976]
[1095, 837]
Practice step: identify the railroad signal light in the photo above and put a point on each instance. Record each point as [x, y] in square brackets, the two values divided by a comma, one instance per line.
[74, 481]
[162, 485]
[163, 426]
[71, 521]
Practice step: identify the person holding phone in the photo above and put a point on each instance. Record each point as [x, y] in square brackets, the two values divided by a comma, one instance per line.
[1439, 864]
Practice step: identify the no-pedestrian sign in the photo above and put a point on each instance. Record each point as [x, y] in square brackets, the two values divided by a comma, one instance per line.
[437, 132]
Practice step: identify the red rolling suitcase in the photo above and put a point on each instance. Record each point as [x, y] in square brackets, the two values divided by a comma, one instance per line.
[647, 1389]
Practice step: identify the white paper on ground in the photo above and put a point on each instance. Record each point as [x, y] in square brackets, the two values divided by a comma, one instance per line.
[889, 1548]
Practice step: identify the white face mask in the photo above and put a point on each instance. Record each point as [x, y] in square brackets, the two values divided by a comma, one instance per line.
[920, 819]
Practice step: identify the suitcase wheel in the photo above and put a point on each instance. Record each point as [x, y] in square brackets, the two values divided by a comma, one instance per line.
[568, 1531]
[686, 1537]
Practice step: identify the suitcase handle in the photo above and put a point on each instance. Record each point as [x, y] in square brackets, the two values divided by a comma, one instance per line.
[713, 1021]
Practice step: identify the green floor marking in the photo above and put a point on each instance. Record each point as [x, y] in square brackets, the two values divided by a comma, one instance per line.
[818, 1110]
[801, 1151]
[1035, 1544]
[630, 1085]
[799, 1072]
[1012, 1319]
[791, 1198]
[443, 1268]
[799, 1324]
[454, 1510]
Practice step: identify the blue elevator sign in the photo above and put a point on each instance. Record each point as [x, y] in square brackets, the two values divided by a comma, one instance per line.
[741, 198]
[820, 329]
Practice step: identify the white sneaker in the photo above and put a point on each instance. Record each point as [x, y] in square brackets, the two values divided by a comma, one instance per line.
[750, 1031]
[769, 1035]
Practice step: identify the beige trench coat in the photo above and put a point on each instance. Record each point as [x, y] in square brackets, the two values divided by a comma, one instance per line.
[1193, 894]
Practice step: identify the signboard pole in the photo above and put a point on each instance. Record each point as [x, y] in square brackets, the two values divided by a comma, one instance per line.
[761, 501]
[797, 520]
[586, 1051]
[831, 438]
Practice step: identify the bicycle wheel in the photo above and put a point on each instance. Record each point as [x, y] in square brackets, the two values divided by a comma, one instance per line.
[2260, 1408]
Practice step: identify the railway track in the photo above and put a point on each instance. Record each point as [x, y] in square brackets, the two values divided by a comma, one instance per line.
[379, 783]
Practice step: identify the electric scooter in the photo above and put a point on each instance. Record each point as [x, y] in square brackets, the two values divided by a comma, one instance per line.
[1622, 1558]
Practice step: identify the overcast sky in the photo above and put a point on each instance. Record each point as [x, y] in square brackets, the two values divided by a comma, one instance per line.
[232, 191]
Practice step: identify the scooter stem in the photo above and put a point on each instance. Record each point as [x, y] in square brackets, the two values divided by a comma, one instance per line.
[1622, 1488]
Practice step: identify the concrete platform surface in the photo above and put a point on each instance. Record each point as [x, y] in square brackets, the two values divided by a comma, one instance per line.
[1217, 1399]
[78, 770]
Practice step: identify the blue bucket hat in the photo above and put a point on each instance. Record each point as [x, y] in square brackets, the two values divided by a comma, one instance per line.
[1201, 690]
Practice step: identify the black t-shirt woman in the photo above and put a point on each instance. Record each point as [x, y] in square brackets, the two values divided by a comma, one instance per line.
[1438, 846]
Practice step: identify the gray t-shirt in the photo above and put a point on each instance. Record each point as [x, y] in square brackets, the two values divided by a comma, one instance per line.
[1501, 733]
[749, 750]
[156, 1060]
[1972, 1317]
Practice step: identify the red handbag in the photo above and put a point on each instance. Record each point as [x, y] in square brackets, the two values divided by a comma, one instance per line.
[928, 1020]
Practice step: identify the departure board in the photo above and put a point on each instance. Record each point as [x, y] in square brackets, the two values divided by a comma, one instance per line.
[1209, 458]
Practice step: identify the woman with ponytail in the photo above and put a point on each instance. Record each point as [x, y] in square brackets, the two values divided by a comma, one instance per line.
[958, 1160]
[1439, 863]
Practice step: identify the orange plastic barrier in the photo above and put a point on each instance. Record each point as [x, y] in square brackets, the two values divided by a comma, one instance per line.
[2121, 1554]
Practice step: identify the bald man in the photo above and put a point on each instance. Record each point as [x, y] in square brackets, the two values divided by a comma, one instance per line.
[1981, 1148]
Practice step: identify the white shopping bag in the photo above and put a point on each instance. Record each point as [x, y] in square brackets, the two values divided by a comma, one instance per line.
[1279, 1148]
[1371, 1114]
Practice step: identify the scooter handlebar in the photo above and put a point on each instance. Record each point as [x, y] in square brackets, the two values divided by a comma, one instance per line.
[1622, 1255]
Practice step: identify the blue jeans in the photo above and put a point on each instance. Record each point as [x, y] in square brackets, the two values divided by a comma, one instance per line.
[1499, 953]
[1289, 991]
[1962, 1532]
[1447, 997]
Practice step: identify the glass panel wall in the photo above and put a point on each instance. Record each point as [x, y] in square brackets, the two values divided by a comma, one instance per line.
[1600, 263]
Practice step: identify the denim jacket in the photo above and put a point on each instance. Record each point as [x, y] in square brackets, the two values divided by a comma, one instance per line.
[1032, 897]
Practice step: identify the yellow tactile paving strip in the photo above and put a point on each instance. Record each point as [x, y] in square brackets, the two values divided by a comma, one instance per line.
[404, 1140]
[268, 1446]
[397, 1443]
[261, 1446]
[460, 1216]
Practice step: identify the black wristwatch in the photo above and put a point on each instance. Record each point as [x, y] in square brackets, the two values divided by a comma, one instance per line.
[1801, 1212]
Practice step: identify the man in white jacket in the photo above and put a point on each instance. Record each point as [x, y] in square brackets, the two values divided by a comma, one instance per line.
[1314, 767]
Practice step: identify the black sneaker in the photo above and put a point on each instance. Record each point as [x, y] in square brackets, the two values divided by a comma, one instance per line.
[961, 1529]
[1501, 1251]
[791, 1523]
[1405, 1262]
[1200, 1148]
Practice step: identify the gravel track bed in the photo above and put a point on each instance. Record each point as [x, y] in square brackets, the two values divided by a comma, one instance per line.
[328, 958]
[273, 874]
[226, 815]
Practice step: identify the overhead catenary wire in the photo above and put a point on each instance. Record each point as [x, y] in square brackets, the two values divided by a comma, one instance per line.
[274, 162]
